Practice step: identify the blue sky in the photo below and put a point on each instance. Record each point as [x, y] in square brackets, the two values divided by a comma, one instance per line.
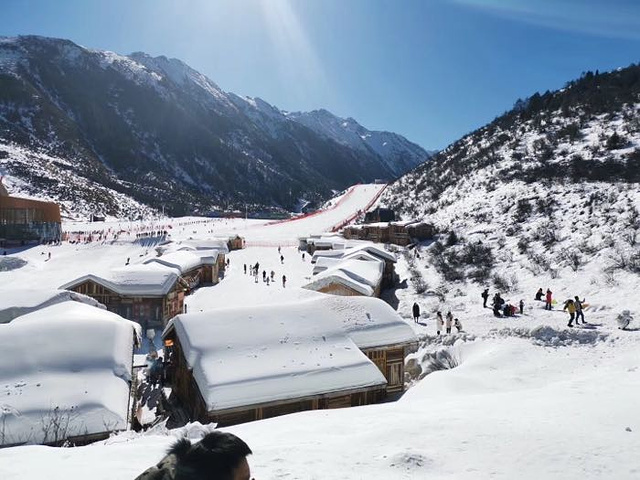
[431, 70]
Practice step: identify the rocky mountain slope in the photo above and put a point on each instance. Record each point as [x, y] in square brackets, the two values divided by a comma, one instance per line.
[548, 191]
[161, 133]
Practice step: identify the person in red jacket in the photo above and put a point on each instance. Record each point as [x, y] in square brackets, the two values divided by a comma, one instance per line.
[547, 305]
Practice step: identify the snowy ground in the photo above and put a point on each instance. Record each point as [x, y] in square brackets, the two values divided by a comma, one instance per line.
[525, 402]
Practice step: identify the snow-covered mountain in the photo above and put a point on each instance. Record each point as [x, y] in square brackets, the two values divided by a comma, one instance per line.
[399, 154]
[162, 133]
[540, 192]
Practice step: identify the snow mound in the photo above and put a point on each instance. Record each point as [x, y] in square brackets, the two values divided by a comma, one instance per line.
[410, 462]
[547, 336]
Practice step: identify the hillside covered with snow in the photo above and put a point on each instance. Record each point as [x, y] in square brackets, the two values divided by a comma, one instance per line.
[161, 133]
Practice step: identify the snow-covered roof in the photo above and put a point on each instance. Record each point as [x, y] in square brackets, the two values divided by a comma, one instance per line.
[20, 301]
[183, 261]
[251, 355]
[336, 242]
[220, 244]
[354, 248]
[71, 361]
[323, 263]
[359, 275]
[326, 253]
[134, 280]
[369, 322]
[373, 249]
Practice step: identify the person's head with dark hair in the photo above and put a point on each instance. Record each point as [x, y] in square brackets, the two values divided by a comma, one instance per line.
[218, 456]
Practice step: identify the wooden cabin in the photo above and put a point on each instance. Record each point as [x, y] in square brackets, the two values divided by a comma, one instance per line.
[347, 277]
[147, 294]
[397, 233]
[71, 375]
[379, 333]
[222, 375]
[196, 267]
[236, 243]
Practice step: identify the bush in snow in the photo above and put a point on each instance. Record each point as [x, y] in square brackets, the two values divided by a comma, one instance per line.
[624, 319]
[504, 283]
[440, 360]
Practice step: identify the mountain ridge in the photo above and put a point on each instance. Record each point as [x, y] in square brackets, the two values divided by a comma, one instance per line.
[162, 133]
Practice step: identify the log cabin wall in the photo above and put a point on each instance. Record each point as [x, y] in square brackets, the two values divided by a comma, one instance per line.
[150, 312]
[275, 409]
[390, 361]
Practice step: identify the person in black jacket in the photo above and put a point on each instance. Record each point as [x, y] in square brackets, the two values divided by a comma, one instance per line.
[485, 297]
[218, 456]
[416, 312]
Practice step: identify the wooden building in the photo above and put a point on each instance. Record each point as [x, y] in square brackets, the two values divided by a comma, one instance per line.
[196, 267]
[70, 376]
[220, 374]
[23, 220]
[147, 294]
[397, 233]
[347, 277]
[388, 258]
[379, 333]
[236, 243]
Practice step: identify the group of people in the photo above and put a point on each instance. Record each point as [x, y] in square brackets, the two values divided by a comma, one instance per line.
[447, 323]
[574, 306]
[266, 278]
[500, 306]
[441, 323]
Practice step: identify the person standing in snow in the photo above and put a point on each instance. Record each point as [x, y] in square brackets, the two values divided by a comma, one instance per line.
[439, 322]
[571, 308]
[539, 294]
[281, 259]
[457, 324]
[245, 268]
[579, 310]
[284, 280]
[485, 297]
[264, 275]
[449, 321]
[303, 256]
[549, 299]
[273, 275]
[416, 312]
[521, 307]
[497, 304]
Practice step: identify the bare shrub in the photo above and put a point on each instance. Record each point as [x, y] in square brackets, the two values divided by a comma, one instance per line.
[438, 361]
[505, 283]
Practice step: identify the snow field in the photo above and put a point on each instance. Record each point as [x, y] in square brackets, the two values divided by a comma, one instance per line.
[519, 404]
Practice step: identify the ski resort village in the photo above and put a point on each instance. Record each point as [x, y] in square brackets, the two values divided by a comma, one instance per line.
[196, 284]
